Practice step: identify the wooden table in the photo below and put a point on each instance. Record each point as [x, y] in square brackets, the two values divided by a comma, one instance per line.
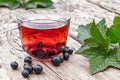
[77, 68]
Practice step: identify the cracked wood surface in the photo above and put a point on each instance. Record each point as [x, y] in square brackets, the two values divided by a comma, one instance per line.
[77, 68]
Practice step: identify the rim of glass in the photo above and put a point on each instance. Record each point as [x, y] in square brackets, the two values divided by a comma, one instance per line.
[22, 15]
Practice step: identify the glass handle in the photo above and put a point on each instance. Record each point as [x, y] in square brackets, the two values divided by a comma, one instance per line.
[13, 38]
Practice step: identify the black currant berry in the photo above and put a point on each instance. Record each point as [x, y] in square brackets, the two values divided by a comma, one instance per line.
[56, 61]
[66, 56]
[66, 47]
[14, 65]
[29, 68]
[26, 63]
[25, 73]
[65, 50]
[38, 69]
[28, 60]
[70, 51]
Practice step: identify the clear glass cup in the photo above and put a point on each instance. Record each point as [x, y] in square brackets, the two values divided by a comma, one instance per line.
[43, 35]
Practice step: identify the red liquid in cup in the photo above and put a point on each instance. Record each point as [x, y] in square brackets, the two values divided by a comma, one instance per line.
[44, 43]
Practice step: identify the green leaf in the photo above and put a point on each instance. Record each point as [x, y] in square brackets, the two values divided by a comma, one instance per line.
[112, 59]
[114, 33]
[102, 27]
[97, 64]
[89, 53]
[101, 45]
[90, 42]
[96, 58]
[96, 34]
[12, 4]
[38, 4]
[114, 30]
[116, 20]
[84, 32]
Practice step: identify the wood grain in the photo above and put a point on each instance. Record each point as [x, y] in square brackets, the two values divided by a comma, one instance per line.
[110, 5]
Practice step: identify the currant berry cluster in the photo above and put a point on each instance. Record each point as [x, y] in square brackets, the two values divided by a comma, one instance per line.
[27, 68]
[57, 60]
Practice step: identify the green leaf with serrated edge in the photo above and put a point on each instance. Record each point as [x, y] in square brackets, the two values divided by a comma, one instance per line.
[39, 4]
[114, 30]
[96, 34]
[116, 20]
[102, 27]
[12, 4]
[89, 53]
[114, 33]
[97, 64]
[112, 58]
[94, 41]
[100, 62]
[84, 32]
[90, 42]
[99, 49]
[94, 52]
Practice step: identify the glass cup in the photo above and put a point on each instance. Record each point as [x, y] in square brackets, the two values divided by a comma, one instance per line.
[43, 35]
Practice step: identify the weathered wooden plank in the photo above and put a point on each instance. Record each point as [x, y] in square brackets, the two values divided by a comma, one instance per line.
[110, 5]
[3, 75]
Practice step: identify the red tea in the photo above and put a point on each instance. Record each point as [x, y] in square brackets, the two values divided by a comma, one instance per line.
[43, 38]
